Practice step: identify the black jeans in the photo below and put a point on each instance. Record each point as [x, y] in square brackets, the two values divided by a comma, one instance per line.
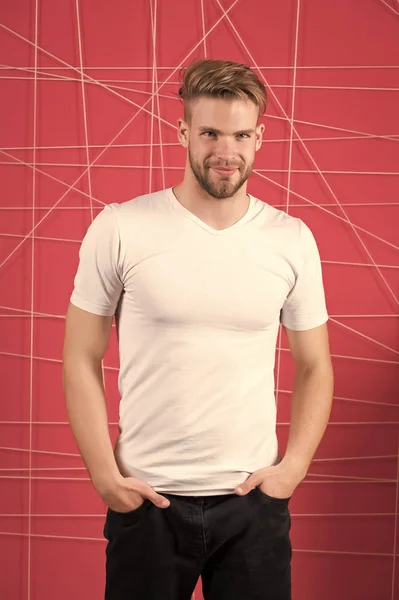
[239, 545]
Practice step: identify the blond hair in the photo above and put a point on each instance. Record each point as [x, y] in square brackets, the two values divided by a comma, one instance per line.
[220, 79]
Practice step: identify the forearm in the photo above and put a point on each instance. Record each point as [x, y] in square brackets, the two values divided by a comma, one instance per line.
[311, 408]
[87, 413]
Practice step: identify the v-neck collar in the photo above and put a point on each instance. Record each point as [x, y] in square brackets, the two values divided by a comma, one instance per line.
[188, 214]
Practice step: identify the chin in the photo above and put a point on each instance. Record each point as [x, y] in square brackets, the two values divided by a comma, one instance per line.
[223, 194]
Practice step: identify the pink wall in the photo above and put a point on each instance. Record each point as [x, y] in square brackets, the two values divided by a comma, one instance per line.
[333, 66]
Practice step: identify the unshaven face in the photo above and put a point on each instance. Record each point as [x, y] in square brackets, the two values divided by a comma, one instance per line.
[222, 141]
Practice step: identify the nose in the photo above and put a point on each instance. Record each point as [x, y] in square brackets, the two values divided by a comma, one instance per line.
[225, 149]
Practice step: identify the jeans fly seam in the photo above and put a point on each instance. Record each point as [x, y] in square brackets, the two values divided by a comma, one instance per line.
[203, 529]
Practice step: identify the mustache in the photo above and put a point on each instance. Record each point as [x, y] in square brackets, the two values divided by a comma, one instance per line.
[217, 166]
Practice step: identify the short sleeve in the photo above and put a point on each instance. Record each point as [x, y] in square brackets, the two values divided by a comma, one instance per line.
[97, 285]
[305, 305]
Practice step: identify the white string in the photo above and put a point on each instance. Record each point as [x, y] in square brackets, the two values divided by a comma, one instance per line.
[378, 403]
[32, 302]
[91, 146]
[88, 164]
[49, 77]
[180, 168]
[279, 423]
[153, 34]
[335, 478]
[366, 136]
[354, 264]
[42, 315]
[325, 171]
[315, 460]
[49, 452]
[23, 312]
[110, 84]
[88, 538]
[338, 478]
[350, 423]
[102, 83]
[175, 69]
[349, 458]
[160, 144]
[291, 121]
[321, 207]
[361, 135]
[360, 316]
[293, 205]
[38, 237]
[70, 187]
[344, 356]
[302, 550]
[54, 537]
[395, 534]
[393, 137]
[280, 390]
[280, 332]
[347, 220]
[390, 7]
[265, 67]
[359, 400]
[351, 478]
[55, 469]
[203, 26]
[119, 133]
[343, 552]
[363, 335]
[88, 78]
[329, 212]
[66, 515]
[82, 77]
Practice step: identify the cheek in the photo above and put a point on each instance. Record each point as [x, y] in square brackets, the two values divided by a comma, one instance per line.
[199, 151]
[249, 155]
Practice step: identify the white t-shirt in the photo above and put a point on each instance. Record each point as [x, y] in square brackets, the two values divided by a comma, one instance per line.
[197, 313]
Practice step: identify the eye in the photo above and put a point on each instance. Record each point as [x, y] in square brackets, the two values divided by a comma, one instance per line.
[209, 133]
[243, 136]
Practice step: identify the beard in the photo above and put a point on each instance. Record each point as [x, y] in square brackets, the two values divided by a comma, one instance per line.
[224, 187]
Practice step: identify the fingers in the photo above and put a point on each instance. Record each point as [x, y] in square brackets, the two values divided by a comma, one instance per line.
[160, 501]
[146, 491]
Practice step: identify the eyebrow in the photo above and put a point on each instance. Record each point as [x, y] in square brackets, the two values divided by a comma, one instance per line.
[218, 132]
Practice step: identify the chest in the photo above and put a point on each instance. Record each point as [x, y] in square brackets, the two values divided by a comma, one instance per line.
[240, 286]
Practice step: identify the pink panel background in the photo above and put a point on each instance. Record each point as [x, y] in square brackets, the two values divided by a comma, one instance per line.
[331, 157]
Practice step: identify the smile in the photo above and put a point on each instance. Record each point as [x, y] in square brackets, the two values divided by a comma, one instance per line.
[224, 172]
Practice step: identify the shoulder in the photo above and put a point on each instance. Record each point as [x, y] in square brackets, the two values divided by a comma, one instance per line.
[280, 224]
[140, 205]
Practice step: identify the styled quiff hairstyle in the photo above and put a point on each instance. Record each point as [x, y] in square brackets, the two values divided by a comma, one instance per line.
[220, 79]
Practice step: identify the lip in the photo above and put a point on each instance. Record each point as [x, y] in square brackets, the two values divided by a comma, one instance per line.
[224, 172]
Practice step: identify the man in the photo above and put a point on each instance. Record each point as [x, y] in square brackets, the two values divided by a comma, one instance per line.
[199, 278]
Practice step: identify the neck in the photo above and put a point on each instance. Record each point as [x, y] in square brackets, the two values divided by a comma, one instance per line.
[218, 213]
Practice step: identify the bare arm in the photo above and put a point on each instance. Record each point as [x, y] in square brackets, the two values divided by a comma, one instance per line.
[311, 407]
[86, 340]
[312, 395]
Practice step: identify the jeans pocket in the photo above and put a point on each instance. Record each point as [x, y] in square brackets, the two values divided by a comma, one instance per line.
[117, 523]
[130, 512]
[272, 499]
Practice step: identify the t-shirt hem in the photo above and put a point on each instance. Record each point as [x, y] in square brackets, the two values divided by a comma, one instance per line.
[306, 326]
[91, 308]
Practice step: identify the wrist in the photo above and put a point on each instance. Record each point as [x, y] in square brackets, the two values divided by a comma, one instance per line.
[295, 465]
[106, 481]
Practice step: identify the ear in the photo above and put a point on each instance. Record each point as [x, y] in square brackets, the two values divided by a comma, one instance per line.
[258, 135]
[183, 132]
